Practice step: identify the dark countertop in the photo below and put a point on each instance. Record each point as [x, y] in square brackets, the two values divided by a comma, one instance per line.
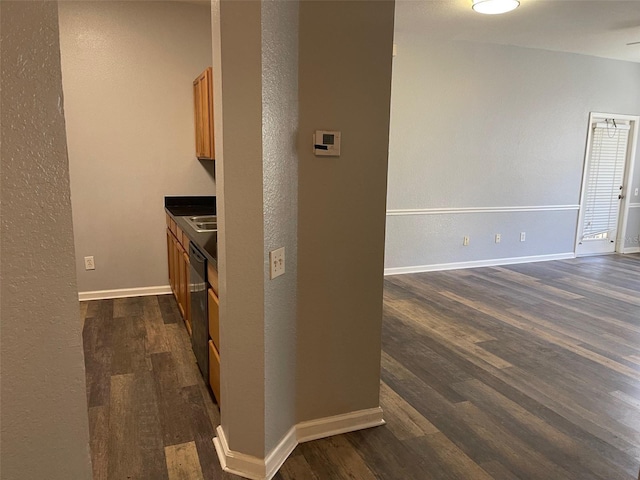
[181, 207]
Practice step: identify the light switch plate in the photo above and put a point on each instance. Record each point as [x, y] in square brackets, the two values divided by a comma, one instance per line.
[276, 262]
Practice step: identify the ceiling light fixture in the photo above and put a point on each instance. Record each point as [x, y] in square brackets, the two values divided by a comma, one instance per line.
[494, 7]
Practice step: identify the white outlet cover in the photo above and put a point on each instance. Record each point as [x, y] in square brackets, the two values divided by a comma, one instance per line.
[276, 262]
[89, 263]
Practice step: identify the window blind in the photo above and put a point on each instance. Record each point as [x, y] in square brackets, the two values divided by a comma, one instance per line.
[604, 179]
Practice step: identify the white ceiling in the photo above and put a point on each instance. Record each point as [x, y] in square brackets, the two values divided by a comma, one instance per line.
[590, 27]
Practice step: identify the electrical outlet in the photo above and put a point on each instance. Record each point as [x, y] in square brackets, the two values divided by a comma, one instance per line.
[89, 263]
[523, 236]
[276, 262]
[465, 241]
[498, 238]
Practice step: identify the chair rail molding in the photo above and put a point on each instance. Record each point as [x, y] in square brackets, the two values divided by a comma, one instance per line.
[460, 210]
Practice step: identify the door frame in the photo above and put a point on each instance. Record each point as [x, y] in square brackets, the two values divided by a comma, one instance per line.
[634, 121]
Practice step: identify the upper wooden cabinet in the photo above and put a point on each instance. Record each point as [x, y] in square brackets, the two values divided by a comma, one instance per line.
[203, 108]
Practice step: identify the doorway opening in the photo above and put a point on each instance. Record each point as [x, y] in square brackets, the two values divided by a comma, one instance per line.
[606, 183]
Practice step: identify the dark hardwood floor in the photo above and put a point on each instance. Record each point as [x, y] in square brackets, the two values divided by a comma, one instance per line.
[521, 372]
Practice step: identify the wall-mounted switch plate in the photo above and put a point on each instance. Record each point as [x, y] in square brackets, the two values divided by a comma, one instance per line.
[523, 236]
[498, 238]
[465, 240]
[636, 192]
[89, 264]
[276, 262]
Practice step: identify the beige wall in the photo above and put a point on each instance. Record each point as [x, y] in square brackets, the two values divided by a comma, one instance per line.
[255, 49]
[344, 84]
[305, 345]
[241, 238]
[519, 140]
[280, 197]
[44, 428]
[128, 69]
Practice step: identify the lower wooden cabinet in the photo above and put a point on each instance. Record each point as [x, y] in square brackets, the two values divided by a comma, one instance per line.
[183, 293]
[178, 261]
[214, 370]
[172, 273]
[179, 272]
[180, 294]
[213, 308]
[212, 277]
[187, 290]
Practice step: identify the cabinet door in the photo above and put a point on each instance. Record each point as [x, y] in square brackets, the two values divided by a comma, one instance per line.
[213, 306]
[207, 114]
[203, 114]
[176, 268]
[182, 286]
[212, 277]
[170, 259]
[174, 277]
[197, 111]
[187, 291]
[214, 370]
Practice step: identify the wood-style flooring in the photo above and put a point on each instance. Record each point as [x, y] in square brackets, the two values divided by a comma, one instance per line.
[520, 372]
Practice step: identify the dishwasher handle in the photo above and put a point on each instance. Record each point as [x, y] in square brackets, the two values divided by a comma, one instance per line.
[195, 255]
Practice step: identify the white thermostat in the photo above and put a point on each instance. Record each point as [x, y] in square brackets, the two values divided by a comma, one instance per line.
[326, 143]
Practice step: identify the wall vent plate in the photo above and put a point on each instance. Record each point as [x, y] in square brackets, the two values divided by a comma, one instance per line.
[326, 143]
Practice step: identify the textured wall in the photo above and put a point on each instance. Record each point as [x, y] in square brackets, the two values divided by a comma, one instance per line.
[344, 84]
[476, 125]
[443, 235]
[238, 48]
[280, 197]
[632, 238]
[128, 69]
[255, 49]
[284, 362]
[44, 428]
[633, 228]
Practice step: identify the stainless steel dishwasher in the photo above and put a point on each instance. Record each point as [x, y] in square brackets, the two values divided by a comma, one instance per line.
[199, 319]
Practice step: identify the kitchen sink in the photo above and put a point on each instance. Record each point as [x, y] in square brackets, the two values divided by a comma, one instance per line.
[204, 223]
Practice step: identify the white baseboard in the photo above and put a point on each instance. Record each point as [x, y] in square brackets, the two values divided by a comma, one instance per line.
[478, 263]
[631, 250]
[251, 467]
[124, 293]
[348, 422]
[280, 453]
[237, 463]
[255, 468]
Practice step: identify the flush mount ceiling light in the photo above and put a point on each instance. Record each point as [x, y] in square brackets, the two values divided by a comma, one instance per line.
[494, 7]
